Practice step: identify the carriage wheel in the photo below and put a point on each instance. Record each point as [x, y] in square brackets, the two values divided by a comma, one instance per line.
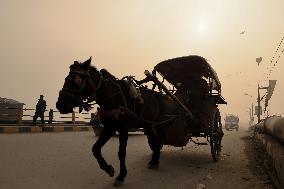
[216, 135]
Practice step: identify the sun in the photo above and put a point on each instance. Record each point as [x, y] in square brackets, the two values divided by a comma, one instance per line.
[201, 26]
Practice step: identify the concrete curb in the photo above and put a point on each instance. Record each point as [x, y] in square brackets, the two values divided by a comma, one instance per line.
[37, 129]
[276, 150]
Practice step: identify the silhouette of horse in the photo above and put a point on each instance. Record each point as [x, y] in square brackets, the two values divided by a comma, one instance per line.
[120, 110]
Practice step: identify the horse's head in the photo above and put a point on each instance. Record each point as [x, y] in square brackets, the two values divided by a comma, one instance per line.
[79, 88]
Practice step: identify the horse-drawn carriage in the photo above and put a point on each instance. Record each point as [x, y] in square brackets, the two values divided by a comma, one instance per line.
[168, 116]
[196, 89]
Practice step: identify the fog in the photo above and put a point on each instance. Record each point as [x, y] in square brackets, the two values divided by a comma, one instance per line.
[40, 39]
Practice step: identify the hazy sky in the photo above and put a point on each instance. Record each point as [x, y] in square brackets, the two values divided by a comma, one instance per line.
[39, 39]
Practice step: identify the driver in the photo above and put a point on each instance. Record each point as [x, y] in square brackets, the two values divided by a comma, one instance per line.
[195, 87]
[193, 92]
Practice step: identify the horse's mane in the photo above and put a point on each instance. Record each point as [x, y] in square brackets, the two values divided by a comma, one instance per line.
[75, 65]
[93, 68]
[104, 72]
[78, 65]
[107, 74]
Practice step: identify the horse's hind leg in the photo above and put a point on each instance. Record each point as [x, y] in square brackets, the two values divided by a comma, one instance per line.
[103, 138]
[156, 146]
[123, 137]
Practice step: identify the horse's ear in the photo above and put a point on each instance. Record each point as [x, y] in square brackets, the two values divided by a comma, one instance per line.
[87, 63]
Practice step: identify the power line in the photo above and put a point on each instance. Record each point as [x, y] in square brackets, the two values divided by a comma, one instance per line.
[272, 66]
[277, 50]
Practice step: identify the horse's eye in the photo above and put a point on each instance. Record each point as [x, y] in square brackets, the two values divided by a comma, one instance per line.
[78, 80]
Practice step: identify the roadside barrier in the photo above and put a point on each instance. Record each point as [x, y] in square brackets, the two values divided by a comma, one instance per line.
[270, 133]
[275, 150]
[274, 126]
[37, 129]
[21, 115]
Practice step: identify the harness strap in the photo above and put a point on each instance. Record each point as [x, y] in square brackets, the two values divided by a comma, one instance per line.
[114, 113]
[122, 94]
[107, 98]
[93, 97]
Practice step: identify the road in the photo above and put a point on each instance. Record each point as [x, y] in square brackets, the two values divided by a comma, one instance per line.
[64, 160]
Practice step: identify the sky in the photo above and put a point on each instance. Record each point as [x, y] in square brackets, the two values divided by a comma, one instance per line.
[39, 39]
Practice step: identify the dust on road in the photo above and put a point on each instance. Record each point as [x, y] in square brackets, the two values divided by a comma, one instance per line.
[64, 160]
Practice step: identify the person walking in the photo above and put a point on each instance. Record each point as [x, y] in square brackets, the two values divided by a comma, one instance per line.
[40, 109]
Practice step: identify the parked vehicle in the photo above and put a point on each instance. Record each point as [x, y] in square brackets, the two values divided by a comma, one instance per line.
[231, 122]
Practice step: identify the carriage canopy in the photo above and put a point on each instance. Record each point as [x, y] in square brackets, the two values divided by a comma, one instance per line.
[181, 69]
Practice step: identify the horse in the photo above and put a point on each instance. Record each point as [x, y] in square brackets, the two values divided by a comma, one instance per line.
[119, 111]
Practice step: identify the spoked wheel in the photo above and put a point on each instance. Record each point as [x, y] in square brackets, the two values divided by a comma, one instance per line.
[216, 135]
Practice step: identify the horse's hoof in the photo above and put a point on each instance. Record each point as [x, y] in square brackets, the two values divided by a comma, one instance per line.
[117, 183]
[153, 166]
[111, 172]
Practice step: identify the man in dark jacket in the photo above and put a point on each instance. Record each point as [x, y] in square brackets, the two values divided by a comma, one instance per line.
[40, 109]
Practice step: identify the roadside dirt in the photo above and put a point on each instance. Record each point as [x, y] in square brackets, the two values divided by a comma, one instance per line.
[260, 162]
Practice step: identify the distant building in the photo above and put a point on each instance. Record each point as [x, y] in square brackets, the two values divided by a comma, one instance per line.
[11, 111]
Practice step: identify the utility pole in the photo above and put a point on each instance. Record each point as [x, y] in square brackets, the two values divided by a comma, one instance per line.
[251, 110]
[269, 91]
[258, 101]
[258, 104]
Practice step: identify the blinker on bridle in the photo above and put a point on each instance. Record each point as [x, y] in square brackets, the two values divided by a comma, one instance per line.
[77, 93]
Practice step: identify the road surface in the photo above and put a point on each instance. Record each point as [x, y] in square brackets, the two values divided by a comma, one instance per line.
[64, 160]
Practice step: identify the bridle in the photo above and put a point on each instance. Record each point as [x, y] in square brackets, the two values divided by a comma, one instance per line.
[77, 94]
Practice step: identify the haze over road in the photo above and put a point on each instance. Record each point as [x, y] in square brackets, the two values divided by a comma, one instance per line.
[41, 39]
[64, 160]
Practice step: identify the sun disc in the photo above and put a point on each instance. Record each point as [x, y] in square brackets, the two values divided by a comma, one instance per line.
[201, 27]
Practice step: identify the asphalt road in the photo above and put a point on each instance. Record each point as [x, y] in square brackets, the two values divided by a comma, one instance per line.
[64, 160]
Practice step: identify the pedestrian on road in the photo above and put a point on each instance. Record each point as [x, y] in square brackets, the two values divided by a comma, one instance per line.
[40, 109]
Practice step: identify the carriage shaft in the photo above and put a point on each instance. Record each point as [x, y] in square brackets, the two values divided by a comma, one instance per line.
[164, 88]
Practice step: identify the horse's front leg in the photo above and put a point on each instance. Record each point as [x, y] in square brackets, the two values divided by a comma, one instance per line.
[123, 137]
[103, 138]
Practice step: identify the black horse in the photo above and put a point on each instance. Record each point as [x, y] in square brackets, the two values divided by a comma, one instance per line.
[119, 110]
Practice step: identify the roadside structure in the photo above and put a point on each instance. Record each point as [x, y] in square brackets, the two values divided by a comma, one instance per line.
[11, 111]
